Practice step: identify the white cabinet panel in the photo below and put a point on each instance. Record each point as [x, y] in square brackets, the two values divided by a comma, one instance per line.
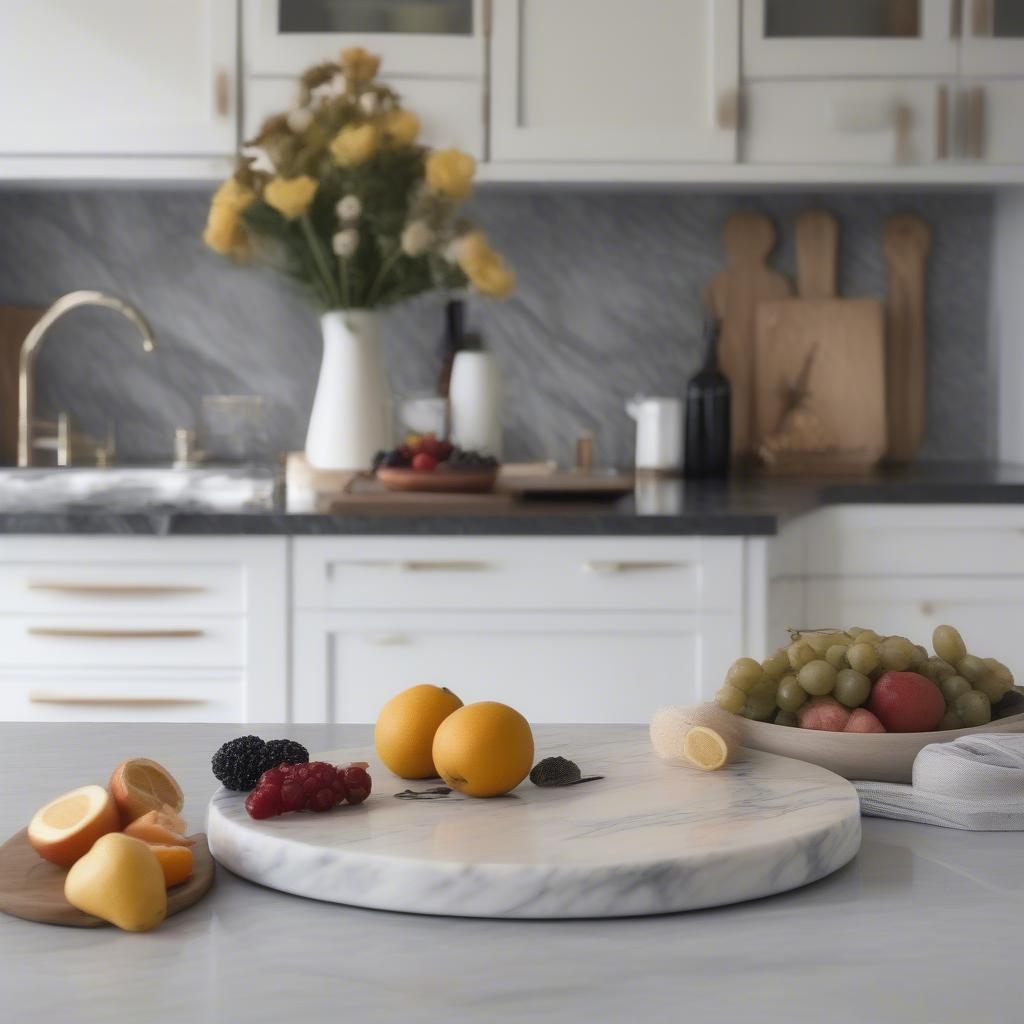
[845, 38]
[118, 77]
[988, 612]
[998, 106]
[842, 121]
[622, 80]
[554, 668]
[450, 110]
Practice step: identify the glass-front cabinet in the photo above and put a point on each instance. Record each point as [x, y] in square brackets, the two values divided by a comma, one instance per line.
[433, 54]
[850, 38]
[992, 40]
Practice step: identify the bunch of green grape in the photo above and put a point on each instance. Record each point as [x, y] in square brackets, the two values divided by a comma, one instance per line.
[845, 664]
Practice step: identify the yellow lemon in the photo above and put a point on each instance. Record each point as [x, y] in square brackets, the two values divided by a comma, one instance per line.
[484, 749]
[404, 734]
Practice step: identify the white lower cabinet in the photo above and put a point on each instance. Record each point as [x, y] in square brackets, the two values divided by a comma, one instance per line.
[143, 629]
[564, 629]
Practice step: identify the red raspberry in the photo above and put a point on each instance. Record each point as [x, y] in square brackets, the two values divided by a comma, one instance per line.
[424, 462]
[312, 787]
[358, 782]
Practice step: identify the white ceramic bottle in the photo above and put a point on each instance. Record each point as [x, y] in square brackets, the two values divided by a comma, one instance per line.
[475, 397]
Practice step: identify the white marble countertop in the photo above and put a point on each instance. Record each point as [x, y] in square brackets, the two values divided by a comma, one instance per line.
[924, 925]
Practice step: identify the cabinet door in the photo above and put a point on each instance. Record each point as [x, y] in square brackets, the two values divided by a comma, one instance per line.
[118, 77]
[993, 118]
[622, 80]
[552, 668]
[842, 121]
[993, 38]
[861, 38]
[987, 611]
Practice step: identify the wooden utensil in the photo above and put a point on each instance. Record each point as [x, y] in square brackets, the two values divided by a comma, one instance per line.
[33, 888]
[906, 239]
[835, 348]
[15, 323]
[733, 296]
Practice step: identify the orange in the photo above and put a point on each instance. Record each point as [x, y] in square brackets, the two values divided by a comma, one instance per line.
[484, 749]
[160, 828]
[404, 734]
[140, 785]
[176, 862]
[66, 828]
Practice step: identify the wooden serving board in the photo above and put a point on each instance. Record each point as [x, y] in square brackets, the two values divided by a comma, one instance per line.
[647, 838]
[33, 888]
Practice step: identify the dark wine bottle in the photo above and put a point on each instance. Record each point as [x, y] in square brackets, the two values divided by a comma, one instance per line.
[452, 342]
[708, 415]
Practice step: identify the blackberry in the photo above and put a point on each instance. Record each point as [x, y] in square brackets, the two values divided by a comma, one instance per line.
[285, 752]
[240, 762]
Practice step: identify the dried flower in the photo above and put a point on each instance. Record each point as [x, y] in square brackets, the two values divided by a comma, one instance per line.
[261, 163]
[290, 196]
[358, 65]
[417, 238]
[300, 119]
[401, 126]
[348, 208]
[354, 145]
[225, 232]
[449, 173]
[327, 91]
[345, 243]
[368, 103]
[484, 267]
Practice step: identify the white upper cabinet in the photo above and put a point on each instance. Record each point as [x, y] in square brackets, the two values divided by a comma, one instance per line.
[992, 38]
[616, 81]
[118, 78]
[432, 54]
[849, 38]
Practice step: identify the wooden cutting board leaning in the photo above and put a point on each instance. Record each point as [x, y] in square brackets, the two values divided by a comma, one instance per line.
[15, 323]
[733, 296]
[819, 367]
[906, 239]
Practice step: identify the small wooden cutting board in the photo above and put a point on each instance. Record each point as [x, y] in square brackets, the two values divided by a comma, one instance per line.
[33, 888]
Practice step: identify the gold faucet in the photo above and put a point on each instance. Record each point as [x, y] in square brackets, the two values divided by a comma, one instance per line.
[30, 347]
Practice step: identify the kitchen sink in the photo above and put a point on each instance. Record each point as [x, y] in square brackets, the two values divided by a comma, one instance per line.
[202, 488]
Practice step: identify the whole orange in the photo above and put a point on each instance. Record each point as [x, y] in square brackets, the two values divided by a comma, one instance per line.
[404, 734]
[484, 749]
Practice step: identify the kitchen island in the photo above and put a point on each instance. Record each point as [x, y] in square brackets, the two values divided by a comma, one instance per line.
[924, 925]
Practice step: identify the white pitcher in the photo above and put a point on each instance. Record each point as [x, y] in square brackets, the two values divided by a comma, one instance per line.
[659, 433]
[475, 396]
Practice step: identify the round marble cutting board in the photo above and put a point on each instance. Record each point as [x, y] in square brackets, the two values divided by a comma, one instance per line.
[647, 839]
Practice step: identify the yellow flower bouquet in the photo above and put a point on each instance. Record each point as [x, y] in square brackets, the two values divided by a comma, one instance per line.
[338, 193]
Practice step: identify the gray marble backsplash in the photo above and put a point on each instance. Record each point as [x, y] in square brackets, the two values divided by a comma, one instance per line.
[607, 307]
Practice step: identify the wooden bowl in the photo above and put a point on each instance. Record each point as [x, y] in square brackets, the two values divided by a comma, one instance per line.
[873, 757]
[439, 481]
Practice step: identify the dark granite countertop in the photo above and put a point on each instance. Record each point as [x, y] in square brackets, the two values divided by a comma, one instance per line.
[747, 506]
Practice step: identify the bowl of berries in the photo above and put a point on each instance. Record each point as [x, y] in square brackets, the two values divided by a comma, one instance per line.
[427, 463]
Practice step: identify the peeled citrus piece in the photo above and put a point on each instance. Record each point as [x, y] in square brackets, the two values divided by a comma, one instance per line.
[159, 828]
[670, 725]
[66, 828]
[140, 785]
[704, 748]
[176, 862]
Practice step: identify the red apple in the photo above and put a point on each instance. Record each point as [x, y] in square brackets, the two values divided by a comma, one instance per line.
[825, 714]
[861, 720]
[906, 702]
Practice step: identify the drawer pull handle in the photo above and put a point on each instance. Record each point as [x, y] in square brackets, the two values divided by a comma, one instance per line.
[452, 565]
[609, 568]
[114, 634]
[113, 589]
[389, 640]
[58, 698]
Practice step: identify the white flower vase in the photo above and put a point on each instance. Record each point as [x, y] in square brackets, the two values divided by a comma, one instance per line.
[351, 415]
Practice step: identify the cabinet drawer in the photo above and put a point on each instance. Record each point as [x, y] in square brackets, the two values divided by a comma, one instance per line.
[915, 541]
[120, 696]
[126, 640]
[517, 574]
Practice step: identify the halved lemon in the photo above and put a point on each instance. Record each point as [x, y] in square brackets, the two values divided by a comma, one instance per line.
[66, 828]
[140, 785]
[704, 748]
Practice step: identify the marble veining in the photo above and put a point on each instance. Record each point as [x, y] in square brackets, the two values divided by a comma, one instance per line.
[647, 839]
[607, 306]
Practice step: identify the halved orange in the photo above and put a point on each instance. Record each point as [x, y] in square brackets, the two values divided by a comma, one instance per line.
[140, 785]
[176, 862]
[160, 828]
[66, 828]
